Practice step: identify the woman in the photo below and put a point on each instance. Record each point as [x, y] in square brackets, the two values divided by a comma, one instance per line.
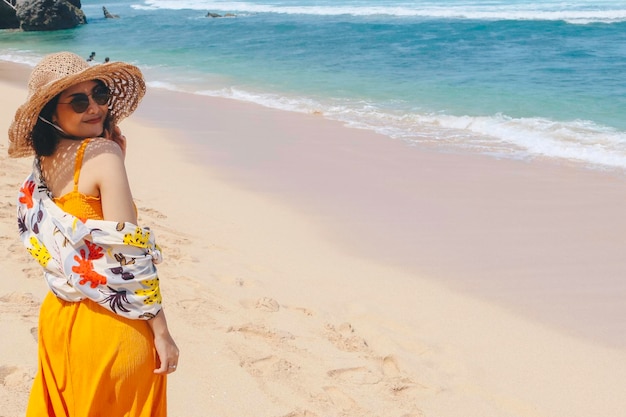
[104, 345]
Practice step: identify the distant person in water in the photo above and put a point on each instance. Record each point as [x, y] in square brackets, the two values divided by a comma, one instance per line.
[106, 59]
[92, 56]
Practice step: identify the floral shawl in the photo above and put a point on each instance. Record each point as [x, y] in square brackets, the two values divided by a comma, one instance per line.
[110, 263]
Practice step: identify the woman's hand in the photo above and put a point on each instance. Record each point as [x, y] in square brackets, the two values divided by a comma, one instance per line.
[115, 134]
[168, 354]
[166, 348]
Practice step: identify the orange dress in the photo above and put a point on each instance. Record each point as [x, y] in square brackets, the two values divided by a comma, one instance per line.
[92, 362]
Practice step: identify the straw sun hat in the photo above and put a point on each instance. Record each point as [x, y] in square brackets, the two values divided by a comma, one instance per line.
[57, 72]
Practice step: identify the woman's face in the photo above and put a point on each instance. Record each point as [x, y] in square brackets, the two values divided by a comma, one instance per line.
[88, 123]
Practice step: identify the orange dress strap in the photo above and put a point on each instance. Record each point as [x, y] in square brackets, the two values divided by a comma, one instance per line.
[78, 204]
[79, 162]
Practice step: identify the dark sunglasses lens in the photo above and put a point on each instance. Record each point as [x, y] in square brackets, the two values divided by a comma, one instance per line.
[101, 97]
[80, 103]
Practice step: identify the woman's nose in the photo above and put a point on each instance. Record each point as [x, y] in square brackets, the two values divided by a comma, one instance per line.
[93, 106]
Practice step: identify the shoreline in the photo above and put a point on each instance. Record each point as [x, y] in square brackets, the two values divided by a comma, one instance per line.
[279, 303]
[527, 235]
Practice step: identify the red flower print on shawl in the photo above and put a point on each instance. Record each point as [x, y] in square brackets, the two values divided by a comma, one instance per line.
[27, 190]
[85, 265]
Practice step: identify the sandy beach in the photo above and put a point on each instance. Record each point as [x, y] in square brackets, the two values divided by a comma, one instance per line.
[314, 270]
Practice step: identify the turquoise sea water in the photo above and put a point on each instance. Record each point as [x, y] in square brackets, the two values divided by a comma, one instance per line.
[505, 77]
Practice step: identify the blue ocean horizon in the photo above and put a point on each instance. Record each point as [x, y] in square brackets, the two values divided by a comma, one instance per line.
[505, 78]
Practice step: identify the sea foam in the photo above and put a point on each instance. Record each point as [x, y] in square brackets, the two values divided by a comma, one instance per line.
[581, 12]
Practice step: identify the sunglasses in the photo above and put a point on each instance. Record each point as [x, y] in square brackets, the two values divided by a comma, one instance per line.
[80, 101]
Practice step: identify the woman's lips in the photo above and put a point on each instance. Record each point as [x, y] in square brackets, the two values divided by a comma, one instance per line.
[94, 120]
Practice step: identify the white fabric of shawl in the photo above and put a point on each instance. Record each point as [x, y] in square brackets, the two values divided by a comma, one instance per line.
[110, 263]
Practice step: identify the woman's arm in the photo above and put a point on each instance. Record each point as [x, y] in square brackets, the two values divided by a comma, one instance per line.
[165, 346]
[104, 167]
[107, 166]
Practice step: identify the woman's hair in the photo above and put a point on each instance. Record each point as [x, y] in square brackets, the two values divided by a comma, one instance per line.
[44, 136]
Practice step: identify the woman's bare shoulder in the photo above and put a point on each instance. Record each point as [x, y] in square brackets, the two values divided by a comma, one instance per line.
[103, 160]
[101, 147]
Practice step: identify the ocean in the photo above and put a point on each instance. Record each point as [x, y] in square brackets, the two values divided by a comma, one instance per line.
[508, 78]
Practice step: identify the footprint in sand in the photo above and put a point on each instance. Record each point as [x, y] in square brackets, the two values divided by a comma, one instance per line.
[34, 331]
[267, 304]
[23, 304]
[340, 399]
[262, 332]
[378, 383]
[302, 310]
[7, 240]
[198, 311]
[7, 210]
[263, 304]
[272, 366]
[390, 366]
[33, 272]
[397, 383]
[14, 378]
[15, 251]
[358, 376]
[344, 338]
[301, 413]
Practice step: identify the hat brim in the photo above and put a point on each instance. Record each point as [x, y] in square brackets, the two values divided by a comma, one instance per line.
[125, 81]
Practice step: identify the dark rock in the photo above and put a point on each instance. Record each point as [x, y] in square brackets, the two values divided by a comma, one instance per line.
[8, 17]
[36, 15]
[108, 15]
[211, 14]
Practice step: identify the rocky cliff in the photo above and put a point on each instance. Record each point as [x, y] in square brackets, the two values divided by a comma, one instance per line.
[8, 19]
[34, 15]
